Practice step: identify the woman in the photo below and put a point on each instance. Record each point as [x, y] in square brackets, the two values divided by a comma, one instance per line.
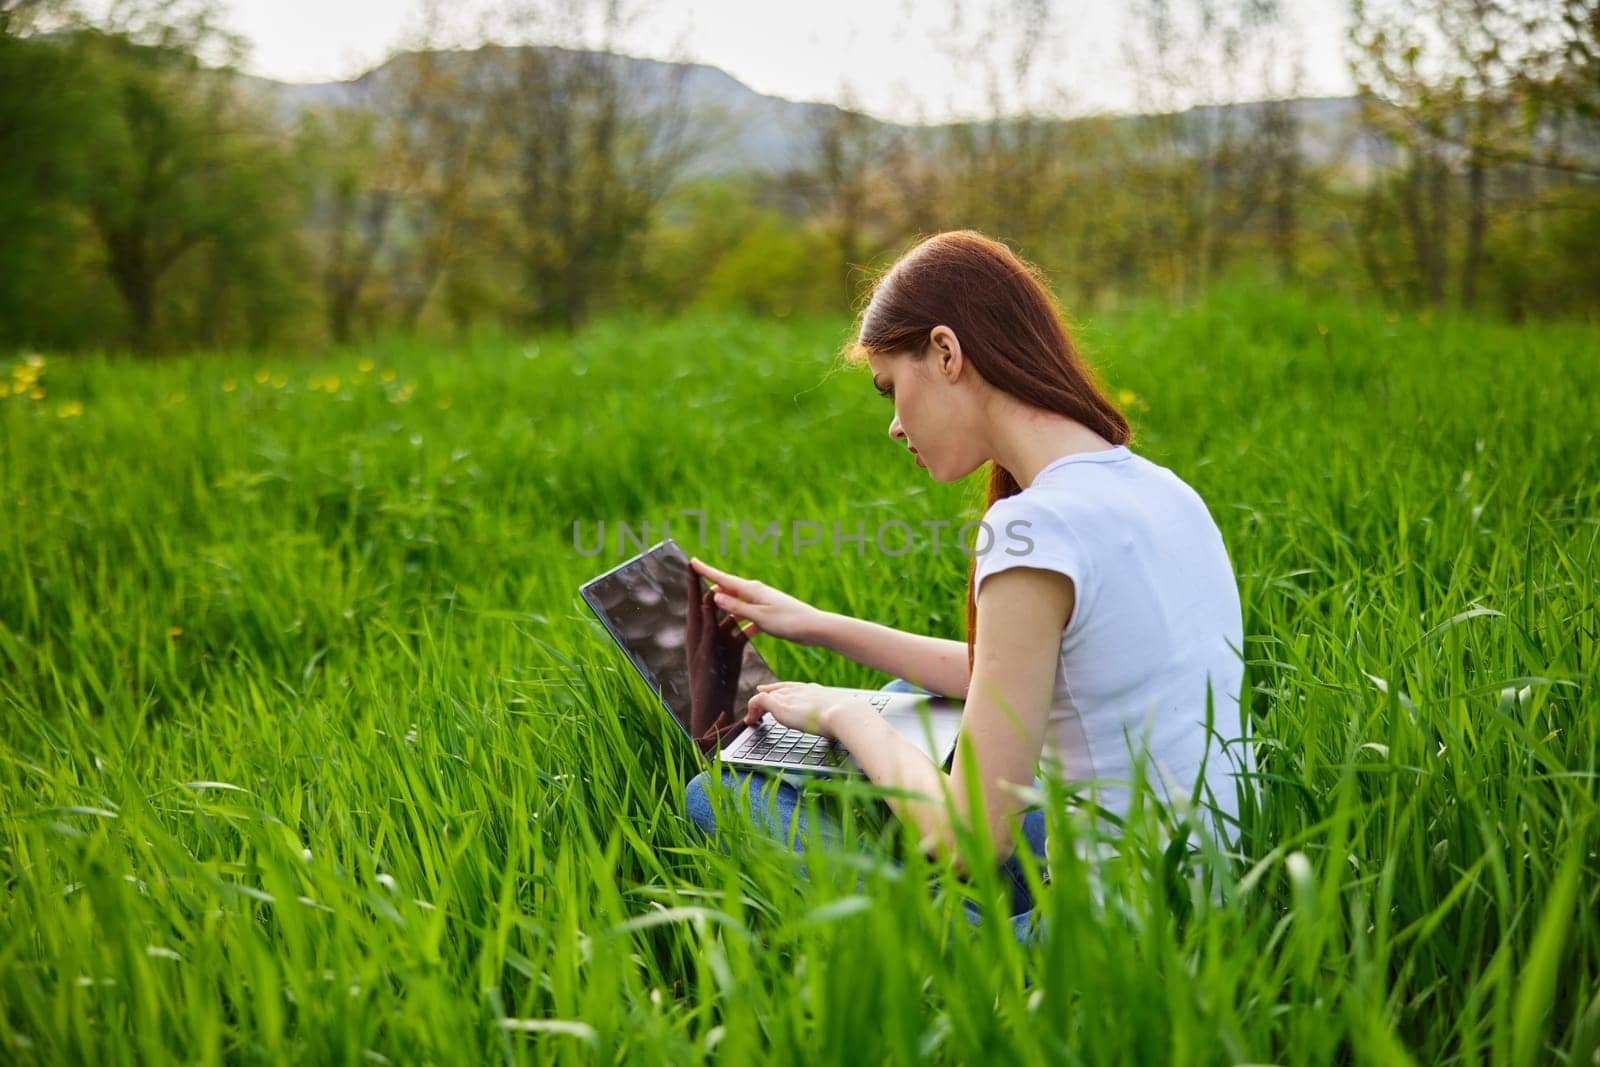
[1102, 616]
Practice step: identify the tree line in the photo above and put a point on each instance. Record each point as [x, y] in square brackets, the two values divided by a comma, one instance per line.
[153, 198]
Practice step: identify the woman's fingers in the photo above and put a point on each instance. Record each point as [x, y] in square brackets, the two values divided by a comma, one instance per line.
[732, 604]
[731, 582]
[705, 568]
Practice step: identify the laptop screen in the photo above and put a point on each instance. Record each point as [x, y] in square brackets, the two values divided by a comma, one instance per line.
[705, 682]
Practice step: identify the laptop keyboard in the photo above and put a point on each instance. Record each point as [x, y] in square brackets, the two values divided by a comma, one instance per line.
[772, 742]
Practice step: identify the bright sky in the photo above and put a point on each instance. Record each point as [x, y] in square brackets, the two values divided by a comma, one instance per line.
[902, 60]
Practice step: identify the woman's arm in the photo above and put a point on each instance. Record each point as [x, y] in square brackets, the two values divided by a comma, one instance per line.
[1021, 613]
[936, 664]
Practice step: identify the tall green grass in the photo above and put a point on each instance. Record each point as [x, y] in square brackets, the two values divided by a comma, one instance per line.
[311, 753]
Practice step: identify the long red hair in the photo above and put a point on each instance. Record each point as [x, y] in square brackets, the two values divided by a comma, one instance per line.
[1011, 331]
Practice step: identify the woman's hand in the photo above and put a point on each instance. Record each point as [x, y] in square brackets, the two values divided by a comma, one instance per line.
[799, 705]
[771, 612]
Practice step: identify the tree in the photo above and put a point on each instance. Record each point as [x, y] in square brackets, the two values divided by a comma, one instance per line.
[163, 171]
[142, 194]
[440, 155]
[433, 103]
[1457, 86]
[587, 156]
[44, 117]
[844, 149]
[355, 201]
[1013, 166]
[1212, 171]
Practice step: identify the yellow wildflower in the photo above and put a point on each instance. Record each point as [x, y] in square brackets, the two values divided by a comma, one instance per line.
[70, 410]
[229, 385]
[387, 376]
[262, 376]
[365, 366]
[174, 631]
[24, 375]
[37, 394]
[279, 381]
[1127, 397]
[33, 360]
[5, 389]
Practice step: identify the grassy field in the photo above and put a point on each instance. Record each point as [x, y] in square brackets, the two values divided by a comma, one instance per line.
[309, 752]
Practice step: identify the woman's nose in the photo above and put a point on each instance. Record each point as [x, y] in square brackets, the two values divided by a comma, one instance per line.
[895, 432]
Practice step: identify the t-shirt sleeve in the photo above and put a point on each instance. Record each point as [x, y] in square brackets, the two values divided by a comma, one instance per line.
[1024, 532]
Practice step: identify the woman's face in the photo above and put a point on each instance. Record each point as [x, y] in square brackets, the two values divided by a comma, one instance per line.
[932, 412]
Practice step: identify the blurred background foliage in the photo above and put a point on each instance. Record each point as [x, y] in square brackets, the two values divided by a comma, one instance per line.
[154, 198]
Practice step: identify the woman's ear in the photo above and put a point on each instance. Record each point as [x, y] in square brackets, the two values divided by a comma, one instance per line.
[947, 351]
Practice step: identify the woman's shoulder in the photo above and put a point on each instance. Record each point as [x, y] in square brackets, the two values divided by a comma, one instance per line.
[1034, 528]
[1090, 504]
[1079, 483]
[1109, 482]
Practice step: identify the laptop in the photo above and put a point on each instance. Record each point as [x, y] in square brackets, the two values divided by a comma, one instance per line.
[643, 603]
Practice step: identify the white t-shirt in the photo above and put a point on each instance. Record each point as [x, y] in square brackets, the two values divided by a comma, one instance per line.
[1156, 616]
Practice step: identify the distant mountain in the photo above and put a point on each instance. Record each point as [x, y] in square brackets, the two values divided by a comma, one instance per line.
[769, 134]
[756, 132]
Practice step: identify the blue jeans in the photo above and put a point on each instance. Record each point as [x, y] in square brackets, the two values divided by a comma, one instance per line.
[776, 806]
